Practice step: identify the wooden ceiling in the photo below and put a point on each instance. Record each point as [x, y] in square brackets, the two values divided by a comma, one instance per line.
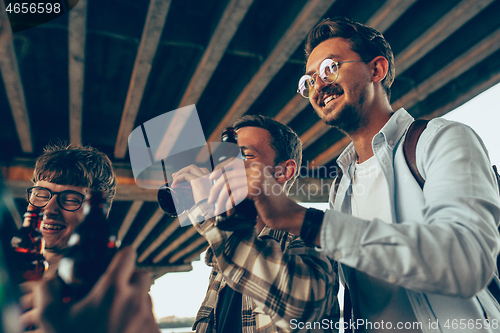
[94, 75]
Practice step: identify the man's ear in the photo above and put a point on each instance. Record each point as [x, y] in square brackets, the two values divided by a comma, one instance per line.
[380, 68]
[285, 171]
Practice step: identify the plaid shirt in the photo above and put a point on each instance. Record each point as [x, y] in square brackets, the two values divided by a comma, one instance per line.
[280, 279]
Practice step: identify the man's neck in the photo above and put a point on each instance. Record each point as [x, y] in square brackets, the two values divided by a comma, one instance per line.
[52, 257]
[363, 137]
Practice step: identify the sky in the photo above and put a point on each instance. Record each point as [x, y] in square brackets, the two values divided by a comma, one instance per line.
[181, 294]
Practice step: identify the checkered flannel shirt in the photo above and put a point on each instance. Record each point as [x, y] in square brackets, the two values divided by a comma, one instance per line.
[279, 277]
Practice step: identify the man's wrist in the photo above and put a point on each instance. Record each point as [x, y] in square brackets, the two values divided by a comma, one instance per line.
[311, 226]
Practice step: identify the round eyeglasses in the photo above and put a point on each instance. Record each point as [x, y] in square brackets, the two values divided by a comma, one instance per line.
[328, 73]
[68, 200]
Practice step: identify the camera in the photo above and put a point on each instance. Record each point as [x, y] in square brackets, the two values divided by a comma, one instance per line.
[179, 200]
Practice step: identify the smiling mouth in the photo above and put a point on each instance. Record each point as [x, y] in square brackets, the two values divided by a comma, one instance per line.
[330, 98]
[54, 227]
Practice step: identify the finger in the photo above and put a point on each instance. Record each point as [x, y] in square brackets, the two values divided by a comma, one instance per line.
[193, 170]
[48, 300]
[28, 286]
[26, 301]
[188, 174]
[217, 173]
[219, 194]
[29, 319]
[224, 185]
[218, 184]
[181, 178]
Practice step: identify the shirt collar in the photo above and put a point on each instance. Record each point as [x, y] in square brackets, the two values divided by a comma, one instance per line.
[391, 133]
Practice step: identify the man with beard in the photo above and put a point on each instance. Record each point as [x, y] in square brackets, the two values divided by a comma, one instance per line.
[414, 260]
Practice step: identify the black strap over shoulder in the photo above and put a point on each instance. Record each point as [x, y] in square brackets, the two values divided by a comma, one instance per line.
[410, 153]
[410, 148]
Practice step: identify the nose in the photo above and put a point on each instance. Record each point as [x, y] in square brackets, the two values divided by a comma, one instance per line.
[319, 85]
[52, 205]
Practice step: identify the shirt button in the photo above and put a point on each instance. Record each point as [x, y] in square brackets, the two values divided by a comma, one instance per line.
[392, 279]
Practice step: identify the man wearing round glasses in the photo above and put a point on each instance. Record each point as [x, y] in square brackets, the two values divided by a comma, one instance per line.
[62, 177]
[414, 260]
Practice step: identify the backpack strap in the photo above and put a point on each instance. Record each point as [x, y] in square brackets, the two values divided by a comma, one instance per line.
[410, 148]
[410, 152]
[337, 183]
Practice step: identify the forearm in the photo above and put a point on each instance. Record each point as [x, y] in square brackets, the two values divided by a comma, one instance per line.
[298, 283]
[444, 239]
[443, 257]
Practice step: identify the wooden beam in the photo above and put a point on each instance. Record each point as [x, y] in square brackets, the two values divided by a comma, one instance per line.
[13, 84]
[134, 192]
[129, 218]
[188, 249]
[454, 69]
[16, 179]
[192, 257]
[465, 97]
[77, 31]
[190, 232]
[158, 271]
[155, 21]
[292, 109]
[331, 153]
[313, 133]
[146, 230]
[309, 16]
[388, 13]
[438, 32]
[226, 28]
[159, 240]
[222, 36]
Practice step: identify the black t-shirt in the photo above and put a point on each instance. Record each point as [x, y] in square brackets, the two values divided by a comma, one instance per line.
[229, 311]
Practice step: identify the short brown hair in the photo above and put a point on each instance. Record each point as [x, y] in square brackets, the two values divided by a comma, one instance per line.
[365, 41]
[66, 164]
[284, 141]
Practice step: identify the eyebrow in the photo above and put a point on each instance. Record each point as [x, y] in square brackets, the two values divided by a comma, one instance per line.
[330, 56]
